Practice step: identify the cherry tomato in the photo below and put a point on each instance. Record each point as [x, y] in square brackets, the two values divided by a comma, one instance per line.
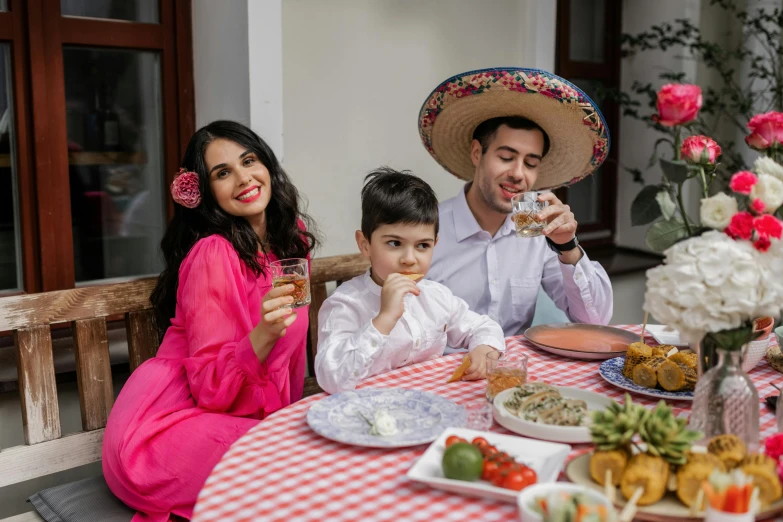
[508, 466]
[480, 442]
[489, 450]
[529, 475]
[498, 479]
[491, 468]
[514, 480]
[453, 439]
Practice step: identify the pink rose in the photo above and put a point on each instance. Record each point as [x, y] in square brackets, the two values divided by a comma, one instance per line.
[742, 182]
[773, 446]
[766, 130]
[740, 226]
[184, 189]
[767, 226]
[677, 104]
[693, 148]
[758, 206]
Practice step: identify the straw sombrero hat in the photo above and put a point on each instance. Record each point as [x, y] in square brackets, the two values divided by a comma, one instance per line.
[577, 131]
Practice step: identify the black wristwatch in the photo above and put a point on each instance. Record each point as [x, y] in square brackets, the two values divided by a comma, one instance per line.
[565, 247]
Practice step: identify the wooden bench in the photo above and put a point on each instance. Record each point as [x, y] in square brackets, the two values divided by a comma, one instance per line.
[30, 316]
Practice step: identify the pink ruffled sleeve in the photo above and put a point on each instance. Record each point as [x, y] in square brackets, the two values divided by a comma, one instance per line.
[212, 299]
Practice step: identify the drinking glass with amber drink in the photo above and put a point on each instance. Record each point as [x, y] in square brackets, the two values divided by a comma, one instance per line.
[504, 372]
[525, 207]
[292, 272]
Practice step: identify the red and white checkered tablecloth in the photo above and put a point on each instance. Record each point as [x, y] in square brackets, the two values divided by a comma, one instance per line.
[281, 470]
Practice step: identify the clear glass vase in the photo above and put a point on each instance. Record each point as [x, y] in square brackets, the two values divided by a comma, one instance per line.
[726, 402]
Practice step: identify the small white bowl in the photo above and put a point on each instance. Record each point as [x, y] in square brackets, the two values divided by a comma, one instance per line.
[527, 495]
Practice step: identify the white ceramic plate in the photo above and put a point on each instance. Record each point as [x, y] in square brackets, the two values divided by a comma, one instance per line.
[568, 434]
[420, 416]
[665, 335]
[546, 459]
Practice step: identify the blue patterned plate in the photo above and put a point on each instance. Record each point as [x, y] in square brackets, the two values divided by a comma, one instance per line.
[420, 416]
[612, 371]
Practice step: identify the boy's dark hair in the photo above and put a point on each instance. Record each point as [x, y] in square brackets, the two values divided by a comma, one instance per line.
[487, 129]
[390, 197]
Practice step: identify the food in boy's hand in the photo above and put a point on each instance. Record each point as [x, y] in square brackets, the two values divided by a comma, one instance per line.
[498, 467]
[414, 277]
[560, 506]
[729, 449]
[546, 407]
[460, 371]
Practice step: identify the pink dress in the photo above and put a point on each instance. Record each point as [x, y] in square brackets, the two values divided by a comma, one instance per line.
[180, 411]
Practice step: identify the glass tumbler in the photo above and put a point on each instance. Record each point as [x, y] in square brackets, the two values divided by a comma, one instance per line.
[525, 206]
[504, 372]
[292, 272]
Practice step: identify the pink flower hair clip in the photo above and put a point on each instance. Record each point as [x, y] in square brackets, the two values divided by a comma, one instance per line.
[184, 189]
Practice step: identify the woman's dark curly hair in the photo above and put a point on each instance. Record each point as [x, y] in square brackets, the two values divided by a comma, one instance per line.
[284, 236]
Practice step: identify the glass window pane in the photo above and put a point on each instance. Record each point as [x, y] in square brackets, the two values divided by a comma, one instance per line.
[10, 232]
[131, 10]
[115, 154]
[586, 37]
[585, 197]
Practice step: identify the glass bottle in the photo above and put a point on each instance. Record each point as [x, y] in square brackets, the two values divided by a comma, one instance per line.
[726, 402]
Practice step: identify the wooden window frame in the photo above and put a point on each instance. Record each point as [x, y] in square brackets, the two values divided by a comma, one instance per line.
[38, 34]
[608, 72]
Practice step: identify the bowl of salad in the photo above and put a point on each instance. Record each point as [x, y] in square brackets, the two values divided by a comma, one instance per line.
[564, 502]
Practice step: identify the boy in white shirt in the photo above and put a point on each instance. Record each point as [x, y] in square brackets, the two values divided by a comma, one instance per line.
[384, 319]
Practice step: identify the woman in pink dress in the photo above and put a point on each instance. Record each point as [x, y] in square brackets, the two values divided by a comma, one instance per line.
[232, 353]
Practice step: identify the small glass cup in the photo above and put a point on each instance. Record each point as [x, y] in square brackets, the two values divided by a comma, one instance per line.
[292, 272]
[479, 415]
[525, 207]
[504, 372]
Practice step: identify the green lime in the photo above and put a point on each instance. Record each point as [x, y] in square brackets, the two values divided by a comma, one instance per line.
[463, 461]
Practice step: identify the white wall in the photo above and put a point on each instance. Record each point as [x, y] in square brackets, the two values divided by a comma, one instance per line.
[355, 74]
[220, 61]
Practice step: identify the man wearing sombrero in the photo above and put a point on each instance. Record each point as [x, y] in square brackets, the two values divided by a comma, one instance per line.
[507, 131]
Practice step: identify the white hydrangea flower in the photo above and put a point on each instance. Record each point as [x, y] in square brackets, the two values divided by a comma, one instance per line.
[716, 211]
[712, 283]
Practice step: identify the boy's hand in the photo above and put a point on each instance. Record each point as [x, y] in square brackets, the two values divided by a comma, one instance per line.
[394, 289]
[478, 363]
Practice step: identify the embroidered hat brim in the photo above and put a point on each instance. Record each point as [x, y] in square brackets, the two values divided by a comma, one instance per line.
[578, 136]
